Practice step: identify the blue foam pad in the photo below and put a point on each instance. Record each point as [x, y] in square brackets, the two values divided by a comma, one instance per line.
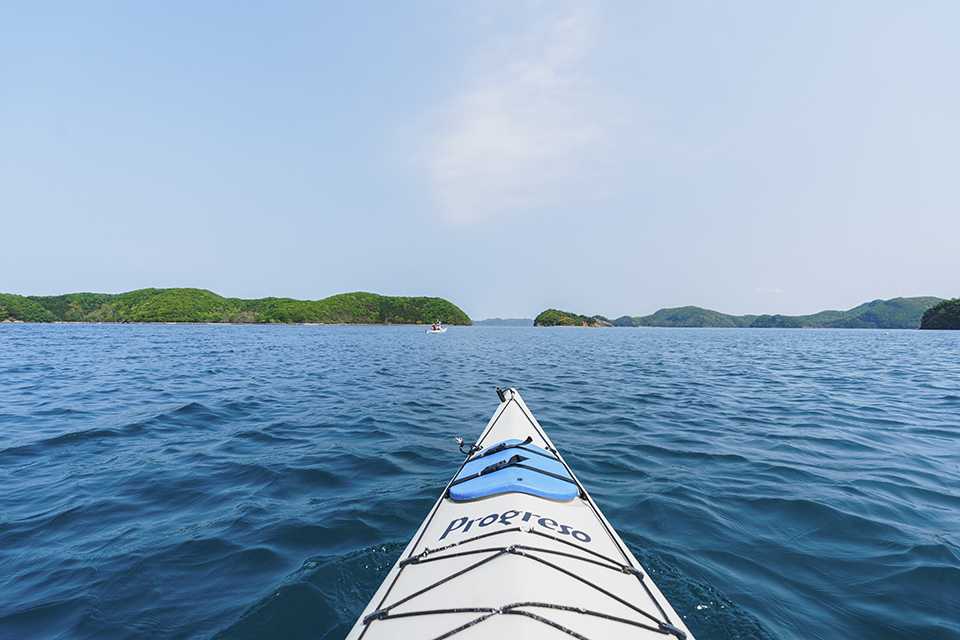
[514, 479]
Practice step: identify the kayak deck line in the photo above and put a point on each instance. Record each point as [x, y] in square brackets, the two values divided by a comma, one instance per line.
[518, 445]
[611, 563]
[515, 461]
[520, 550]
[562, 561]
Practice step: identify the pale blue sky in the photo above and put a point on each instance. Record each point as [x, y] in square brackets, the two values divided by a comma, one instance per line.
[604, 157]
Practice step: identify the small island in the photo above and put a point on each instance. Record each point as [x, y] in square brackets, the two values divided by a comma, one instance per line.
[558, 318]
[201, 305]
[945, 315]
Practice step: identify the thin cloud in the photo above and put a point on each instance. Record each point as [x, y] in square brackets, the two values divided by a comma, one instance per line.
[514, 138]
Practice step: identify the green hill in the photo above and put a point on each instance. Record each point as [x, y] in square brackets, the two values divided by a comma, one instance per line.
[945, 315]
[691, 317]
[896, 313]
[557, 318]
[200, 305]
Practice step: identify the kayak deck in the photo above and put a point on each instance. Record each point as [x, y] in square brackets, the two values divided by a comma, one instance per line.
[506, 556]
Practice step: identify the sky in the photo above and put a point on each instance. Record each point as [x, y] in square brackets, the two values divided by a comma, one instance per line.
[602, 157]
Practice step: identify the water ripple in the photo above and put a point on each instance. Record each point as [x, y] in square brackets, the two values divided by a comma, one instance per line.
[245, 482]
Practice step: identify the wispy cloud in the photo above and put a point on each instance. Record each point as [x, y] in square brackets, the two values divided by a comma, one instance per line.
[774, 291]
[514, 138]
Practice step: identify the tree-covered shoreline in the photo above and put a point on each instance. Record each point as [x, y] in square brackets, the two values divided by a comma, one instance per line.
[945, 315]
[201, 305]
[558, 318]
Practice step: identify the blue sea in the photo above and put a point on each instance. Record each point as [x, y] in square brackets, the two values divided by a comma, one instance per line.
[193, 481]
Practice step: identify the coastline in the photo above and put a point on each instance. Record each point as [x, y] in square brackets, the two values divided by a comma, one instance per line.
[228, 324]
[188, 305]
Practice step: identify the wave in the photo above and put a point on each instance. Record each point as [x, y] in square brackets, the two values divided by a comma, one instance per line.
[192, 481]
[330, 587]
[72, 439]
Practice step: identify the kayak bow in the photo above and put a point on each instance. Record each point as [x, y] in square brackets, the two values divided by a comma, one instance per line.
[515, 548]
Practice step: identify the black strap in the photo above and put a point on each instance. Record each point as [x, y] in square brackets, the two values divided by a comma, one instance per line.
[546, 473]
[428, 551]
[497, 466]
[423, 559]
[383, 612]
[514, 461]
[503, 446]
[503, 464]
[663, 626]
[432, 552]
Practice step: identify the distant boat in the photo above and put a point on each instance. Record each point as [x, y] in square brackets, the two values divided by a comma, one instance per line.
[437, 328]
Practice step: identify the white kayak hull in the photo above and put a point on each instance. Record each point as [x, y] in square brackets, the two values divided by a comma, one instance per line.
[440, 330]
[514, 564]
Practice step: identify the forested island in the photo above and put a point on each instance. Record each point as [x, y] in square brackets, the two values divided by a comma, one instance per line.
[200, 305]
[558, 318]
[945, 315]
[895, 313]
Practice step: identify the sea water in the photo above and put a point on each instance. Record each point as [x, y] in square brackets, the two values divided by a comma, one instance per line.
[195, 481]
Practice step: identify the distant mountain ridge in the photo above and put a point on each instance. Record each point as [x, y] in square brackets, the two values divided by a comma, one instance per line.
[895, 313]
[201, 305]
[505, 322]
